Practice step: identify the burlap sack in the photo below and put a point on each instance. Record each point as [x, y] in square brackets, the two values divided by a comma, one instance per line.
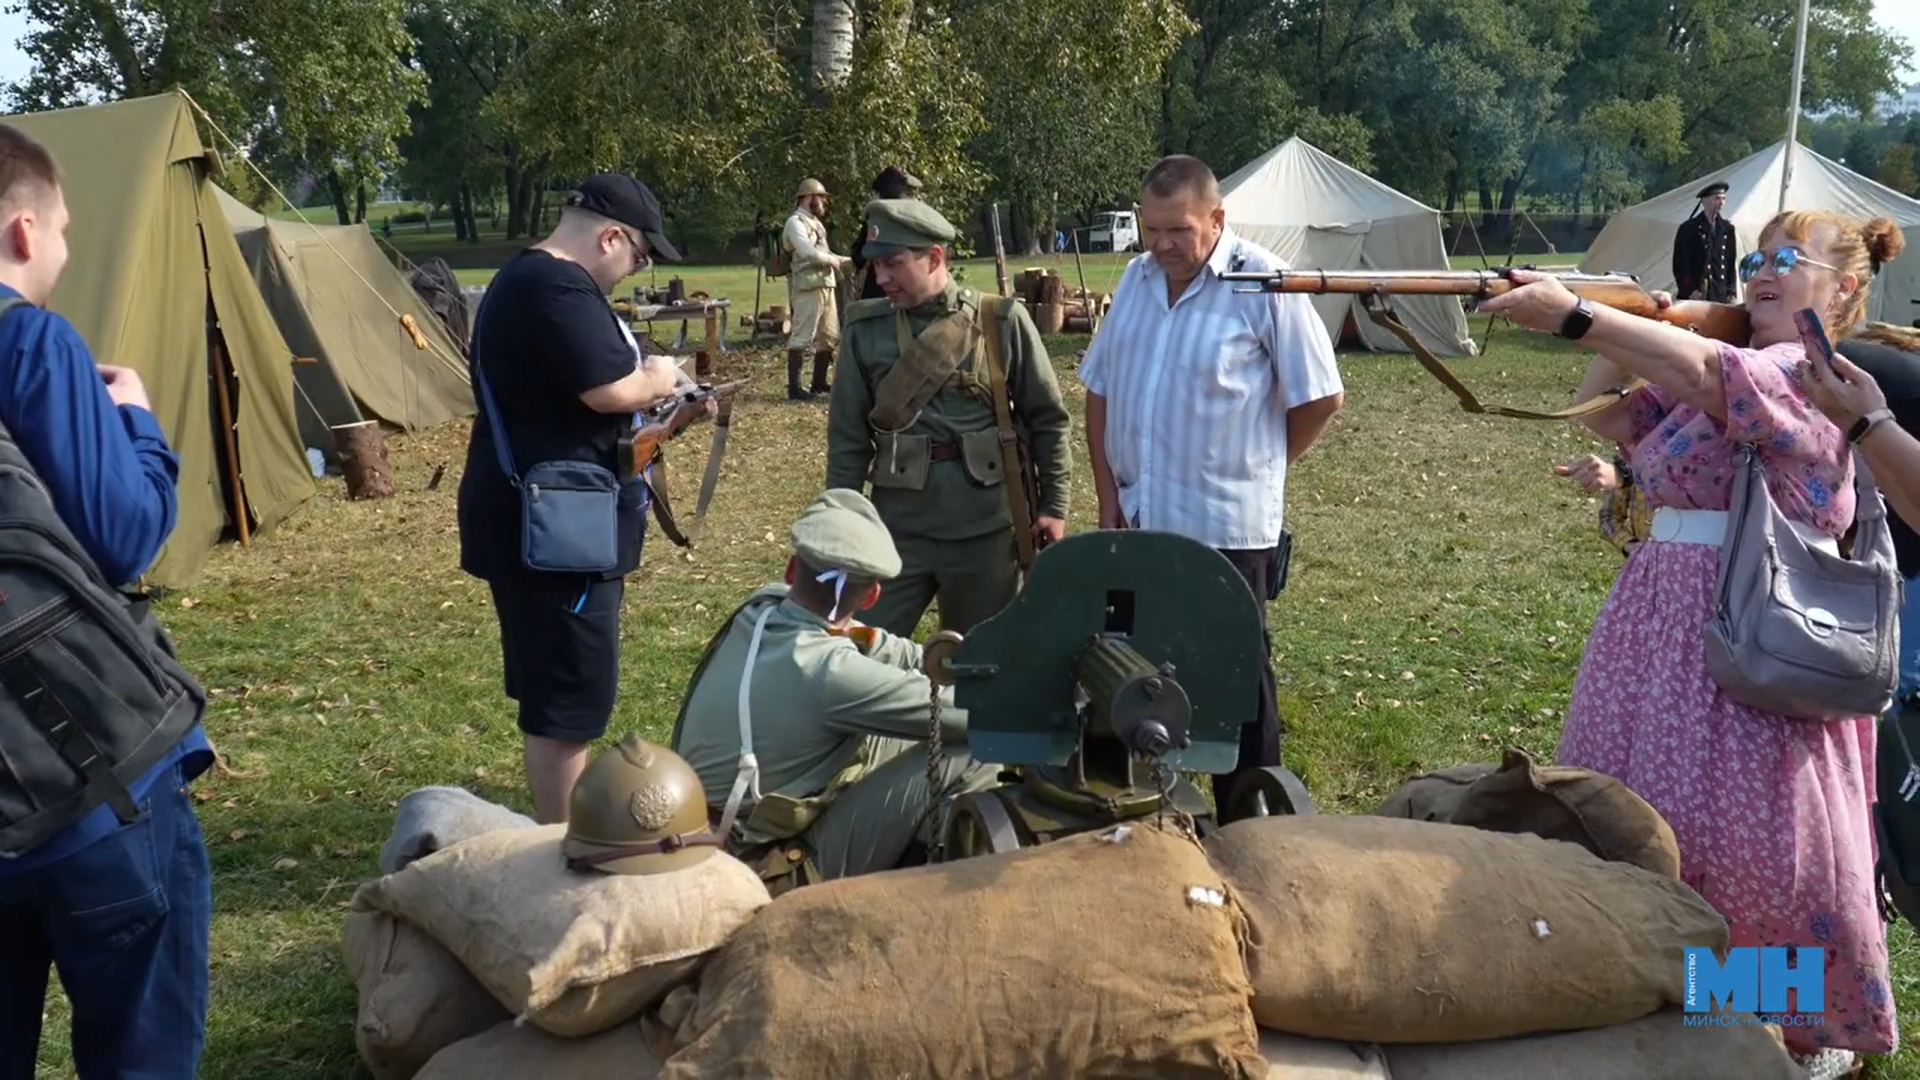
[576, 953]
[415, 998]
[1295, 1057]
[1113, 954]
[1656, 1047]
[1581, 806]
[1387, 930]
[1434, 796]
[507, 1052]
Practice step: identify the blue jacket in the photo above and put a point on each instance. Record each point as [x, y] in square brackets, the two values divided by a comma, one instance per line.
[113, 480]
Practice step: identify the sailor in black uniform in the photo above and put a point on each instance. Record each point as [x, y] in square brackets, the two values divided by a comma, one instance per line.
[1705, 251]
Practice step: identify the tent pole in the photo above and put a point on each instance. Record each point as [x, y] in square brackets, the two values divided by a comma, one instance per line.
[1793, 108]
[219, 364]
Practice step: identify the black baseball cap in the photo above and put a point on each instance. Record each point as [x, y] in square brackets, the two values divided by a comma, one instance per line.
[627, 201]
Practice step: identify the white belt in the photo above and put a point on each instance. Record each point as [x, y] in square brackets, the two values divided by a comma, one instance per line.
[1675, 526]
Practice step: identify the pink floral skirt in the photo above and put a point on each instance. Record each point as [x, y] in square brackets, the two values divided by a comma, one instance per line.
[1772, 815]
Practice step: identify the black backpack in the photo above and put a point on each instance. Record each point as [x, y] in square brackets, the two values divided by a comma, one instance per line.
[1896, 811]
[91, 696]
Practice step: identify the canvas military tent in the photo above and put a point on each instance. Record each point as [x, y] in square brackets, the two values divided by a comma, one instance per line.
[338, 301]
[1639, 239]
[1317, 212]
[155, 282]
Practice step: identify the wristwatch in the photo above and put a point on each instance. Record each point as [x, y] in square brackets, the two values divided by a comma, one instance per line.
[1867, 423]
[1578, 321]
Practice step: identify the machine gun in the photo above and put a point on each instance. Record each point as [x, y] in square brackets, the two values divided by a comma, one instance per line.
[1128, 656]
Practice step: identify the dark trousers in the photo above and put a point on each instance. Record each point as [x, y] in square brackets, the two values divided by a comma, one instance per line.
[1260, 737]
[124, 921]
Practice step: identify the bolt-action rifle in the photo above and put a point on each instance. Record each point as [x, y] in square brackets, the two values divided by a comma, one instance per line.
[638, 448]
[1622, 292]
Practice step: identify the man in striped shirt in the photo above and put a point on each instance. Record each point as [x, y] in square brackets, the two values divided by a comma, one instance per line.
[1199, 398]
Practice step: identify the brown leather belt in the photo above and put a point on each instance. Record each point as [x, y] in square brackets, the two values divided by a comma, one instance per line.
[944, 451]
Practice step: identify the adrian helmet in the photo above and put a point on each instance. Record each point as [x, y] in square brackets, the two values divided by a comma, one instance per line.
[638, 808]
[810, 186]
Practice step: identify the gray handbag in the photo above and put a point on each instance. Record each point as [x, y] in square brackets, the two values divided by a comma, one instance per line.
[1797, 631]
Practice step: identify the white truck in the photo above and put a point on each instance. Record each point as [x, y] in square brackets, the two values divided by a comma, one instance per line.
[1114, 230]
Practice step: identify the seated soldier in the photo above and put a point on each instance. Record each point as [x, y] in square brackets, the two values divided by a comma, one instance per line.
[833, 715]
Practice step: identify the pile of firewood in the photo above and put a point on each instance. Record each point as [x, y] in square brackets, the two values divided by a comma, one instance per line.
[1057, 309]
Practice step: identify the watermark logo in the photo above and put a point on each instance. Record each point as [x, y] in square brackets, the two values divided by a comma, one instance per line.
[1754, 982]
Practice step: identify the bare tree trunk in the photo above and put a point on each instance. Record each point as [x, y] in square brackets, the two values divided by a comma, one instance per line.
[832, 46]
[360, 204]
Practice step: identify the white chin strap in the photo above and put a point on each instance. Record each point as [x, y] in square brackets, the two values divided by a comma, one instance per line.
[839, 579]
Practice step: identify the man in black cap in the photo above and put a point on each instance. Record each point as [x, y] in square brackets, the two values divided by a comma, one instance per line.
[1705, 250]
[893, 182]
[556, 371]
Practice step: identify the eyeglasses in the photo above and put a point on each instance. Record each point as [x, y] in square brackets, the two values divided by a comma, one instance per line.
[1784, 260]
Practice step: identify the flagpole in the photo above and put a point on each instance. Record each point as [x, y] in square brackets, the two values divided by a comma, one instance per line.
[1793, 110]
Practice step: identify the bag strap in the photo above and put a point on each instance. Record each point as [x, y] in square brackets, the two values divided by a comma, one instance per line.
[1380, 313]
[1014, 478]
[924, 365]
[499, 429]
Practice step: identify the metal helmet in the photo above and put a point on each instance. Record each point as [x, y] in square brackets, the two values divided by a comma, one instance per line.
[810, 186]
[638, 808]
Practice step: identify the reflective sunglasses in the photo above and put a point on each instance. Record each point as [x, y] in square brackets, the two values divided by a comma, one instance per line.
[1784, 260]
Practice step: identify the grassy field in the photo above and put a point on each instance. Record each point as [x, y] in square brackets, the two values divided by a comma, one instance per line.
[1442, 586]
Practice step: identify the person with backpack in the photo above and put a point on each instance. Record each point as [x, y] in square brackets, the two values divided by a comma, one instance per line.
[103, 873]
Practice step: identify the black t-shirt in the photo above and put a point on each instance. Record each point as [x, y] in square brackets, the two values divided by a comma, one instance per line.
[544, 335]
[1898, 373]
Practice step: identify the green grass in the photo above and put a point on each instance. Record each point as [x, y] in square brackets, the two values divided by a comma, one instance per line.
[1442, 586]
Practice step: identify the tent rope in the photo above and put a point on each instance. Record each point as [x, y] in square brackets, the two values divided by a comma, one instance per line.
[406, 324]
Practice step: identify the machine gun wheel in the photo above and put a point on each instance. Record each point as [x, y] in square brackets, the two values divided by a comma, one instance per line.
[980, 825]
[1267, 792]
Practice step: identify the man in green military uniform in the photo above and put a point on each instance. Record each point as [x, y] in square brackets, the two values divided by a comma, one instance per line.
[815, 726]
[944, 399]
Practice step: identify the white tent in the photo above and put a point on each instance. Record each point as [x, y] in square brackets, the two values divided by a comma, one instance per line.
[1639, 239]
[1319, 213]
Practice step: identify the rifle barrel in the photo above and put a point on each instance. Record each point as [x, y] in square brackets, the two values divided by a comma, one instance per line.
[1480, 283]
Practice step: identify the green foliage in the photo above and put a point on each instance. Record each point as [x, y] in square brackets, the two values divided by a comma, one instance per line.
[1896, 168]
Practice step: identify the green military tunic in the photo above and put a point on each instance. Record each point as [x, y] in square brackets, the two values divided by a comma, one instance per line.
[938, 485]
[839, 730]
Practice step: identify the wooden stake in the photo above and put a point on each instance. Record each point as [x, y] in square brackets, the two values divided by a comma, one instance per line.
[703, 360]
[363, 458]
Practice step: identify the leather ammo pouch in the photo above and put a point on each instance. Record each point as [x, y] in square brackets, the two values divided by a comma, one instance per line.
[901, 461]
[981, 451]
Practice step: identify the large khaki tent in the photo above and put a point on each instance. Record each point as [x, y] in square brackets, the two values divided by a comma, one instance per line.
[338, 301]
[155, 282]
[1639, 239]
[1317, 212]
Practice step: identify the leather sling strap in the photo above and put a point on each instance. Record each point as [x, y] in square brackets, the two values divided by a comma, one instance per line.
[662, 508]
[663, 846]
[1013, 477]
[924, 366]
[1383, 315]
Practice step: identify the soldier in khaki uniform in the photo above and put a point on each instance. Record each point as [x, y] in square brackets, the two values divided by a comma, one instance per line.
[817, 723]
[813, 270]
[970, 486]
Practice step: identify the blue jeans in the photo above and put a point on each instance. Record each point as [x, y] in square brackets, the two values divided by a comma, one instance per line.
[124, 921]
[1910, 638]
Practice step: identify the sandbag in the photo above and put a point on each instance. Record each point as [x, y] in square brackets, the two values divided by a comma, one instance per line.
[431, 818]
[1386, 930]
[1113, 954]
[415, 998]
[1434, 796]
[508, 1052]
[1295, 1057]
[573, 952]
[1561, 802]
[1655, 1047]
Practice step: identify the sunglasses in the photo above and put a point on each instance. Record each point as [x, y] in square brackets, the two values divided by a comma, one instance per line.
[1784, 260]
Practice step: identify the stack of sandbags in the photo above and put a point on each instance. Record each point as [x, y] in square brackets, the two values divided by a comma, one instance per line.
[1389, 930]
[513, 1052]
[498, 917]
[1660, 1046]
[1113, 953]
[1555, 802]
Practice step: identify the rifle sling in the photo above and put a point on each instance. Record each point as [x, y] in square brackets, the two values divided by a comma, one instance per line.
[662, 507]
[1014, 478]
[924, 366]
[1384, 316]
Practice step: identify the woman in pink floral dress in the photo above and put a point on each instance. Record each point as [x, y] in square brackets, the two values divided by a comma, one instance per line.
[1772, 813]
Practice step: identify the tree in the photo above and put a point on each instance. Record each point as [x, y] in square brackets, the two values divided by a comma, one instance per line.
[1896, 168]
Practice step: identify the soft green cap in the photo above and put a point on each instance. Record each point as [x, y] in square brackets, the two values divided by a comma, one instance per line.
[842, 531]
[897, 224]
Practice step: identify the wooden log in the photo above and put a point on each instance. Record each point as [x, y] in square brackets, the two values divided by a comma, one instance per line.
[1050, 318]
[1053, 289]
[363, 458]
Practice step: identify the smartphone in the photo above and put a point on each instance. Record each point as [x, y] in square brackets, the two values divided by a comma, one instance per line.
[1814, 336]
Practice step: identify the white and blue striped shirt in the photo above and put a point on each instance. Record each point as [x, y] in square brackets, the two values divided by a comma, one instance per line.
[1197, 396]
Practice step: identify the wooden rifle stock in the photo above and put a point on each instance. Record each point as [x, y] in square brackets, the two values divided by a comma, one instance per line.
[1723, 322]
[638, 448]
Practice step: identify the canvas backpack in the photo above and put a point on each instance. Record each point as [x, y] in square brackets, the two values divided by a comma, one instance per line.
[91, 696]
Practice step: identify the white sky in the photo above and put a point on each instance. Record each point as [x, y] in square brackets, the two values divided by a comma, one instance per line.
[1900, 16]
